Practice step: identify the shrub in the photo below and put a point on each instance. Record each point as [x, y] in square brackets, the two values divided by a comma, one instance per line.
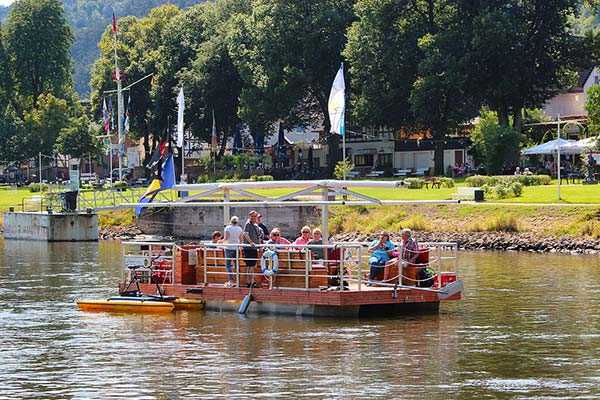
[525, 180]
[446, 182]
[414, 183]
[119, 185]
[261, 178]
[516, 188]
[342, 168]
[38, 187]
[204, 178]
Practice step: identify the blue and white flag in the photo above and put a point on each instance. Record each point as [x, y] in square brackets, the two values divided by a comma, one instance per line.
[180, 110]
[337, 103]
[126, 122]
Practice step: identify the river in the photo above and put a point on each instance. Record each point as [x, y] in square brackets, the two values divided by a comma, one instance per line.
[528, 327]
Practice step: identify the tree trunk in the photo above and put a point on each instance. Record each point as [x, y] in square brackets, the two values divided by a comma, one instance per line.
[518, 119]
[438, 153]
[503, 116]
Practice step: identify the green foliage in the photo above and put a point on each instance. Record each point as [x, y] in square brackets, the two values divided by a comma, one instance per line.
[342, 169]
[120, 185]
[592, 106]
[503, 190]
[261, 178]
[79, 140]
[414, 183]
[38, 41]
[43, 124]
[494, 145]
[446, 182]
[38, 187]
[524, 180]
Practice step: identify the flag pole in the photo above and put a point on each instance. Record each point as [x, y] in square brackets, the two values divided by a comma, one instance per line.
[344, 132]
[119, 99]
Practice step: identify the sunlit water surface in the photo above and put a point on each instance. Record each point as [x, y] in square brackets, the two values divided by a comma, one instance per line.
[527, 328]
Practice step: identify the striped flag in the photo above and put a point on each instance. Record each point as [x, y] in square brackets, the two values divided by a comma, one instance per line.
[105, 117]
[337, 103]
[180, 110]
[213, 141]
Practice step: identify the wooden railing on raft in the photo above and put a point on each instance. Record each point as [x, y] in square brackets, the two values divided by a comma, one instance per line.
[204, 264]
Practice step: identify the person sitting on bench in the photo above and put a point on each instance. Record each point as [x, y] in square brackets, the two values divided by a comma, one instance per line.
[381, 251]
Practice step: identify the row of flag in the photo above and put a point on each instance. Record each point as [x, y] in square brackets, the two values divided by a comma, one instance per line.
[162, 163]
[108, 120]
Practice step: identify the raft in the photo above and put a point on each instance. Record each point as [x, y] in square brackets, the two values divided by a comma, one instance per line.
[122, 305]
[188, 304]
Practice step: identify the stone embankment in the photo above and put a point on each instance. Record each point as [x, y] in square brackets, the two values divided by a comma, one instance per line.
[498, 241]
[119, 233]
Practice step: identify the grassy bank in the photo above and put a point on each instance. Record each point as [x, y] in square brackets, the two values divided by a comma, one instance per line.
[541, 221]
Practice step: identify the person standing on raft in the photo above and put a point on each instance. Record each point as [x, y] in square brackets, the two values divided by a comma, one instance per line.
[252, 236]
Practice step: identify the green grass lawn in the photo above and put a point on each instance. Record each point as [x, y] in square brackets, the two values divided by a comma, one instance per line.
[570, 194]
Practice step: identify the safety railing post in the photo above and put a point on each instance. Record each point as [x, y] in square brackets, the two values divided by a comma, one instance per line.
[205, 266]
[237, 266]
[341, 270]
[306, 267]
[359, 268]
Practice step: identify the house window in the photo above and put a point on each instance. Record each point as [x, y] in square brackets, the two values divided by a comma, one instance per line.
[363, 160]
[384, 160]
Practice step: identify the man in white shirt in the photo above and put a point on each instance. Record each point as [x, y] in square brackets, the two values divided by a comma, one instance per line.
[233, 235]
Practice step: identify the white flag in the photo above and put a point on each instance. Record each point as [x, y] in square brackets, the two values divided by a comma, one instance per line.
[337, 103]
[180, 108]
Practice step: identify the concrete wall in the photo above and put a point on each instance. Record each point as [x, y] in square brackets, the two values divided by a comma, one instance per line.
[200, 222]
[51, 227]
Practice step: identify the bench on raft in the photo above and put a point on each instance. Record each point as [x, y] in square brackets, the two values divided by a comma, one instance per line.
[197, 264]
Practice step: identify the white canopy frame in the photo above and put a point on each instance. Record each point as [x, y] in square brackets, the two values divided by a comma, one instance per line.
[323, 194]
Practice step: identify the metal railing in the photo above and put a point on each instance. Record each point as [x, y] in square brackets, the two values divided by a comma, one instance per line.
[113, 198]
[345, 264]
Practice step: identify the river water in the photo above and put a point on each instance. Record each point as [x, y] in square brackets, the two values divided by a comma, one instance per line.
[529, 327]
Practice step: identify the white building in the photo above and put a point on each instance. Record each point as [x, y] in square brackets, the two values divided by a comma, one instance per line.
[571, 104]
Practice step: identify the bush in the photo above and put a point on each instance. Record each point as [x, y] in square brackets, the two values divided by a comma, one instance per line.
[342, 168]
[524, 180]
[516, 188]
[119, 185]
[38, 187]
[414, 183]
[261, 178]
[446, 182]
[204, 178]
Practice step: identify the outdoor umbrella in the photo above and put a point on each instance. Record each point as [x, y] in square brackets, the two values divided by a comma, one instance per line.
[557, 145]
[588, 144]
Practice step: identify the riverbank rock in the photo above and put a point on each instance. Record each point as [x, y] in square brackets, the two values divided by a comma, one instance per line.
[119, 233]
[495, 241]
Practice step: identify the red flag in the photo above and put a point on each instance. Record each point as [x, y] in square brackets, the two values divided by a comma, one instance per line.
[114, 24]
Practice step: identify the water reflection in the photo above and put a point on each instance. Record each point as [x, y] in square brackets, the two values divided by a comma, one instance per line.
[527, 328]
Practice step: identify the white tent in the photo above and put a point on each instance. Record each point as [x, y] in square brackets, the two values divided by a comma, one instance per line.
[588, 144]
[554, 146]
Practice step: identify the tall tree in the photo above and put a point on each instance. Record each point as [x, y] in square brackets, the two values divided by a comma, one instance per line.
[38, 41]
[292, 51]
[78, 139]
[519, 52]
[43, 124]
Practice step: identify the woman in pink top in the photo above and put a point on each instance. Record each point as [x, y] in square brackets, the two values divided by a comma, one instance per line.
[304, 237]
[276, 238]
